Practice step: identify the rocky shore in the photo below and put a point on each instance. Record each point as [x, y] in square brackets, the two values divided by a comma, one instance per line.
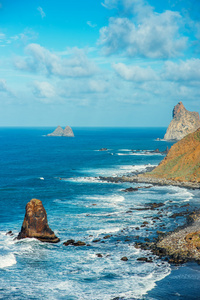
[179, 246]
[151, 180]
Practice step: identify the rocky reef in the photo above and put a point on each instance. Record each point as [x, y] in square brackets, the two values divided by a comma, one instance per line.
[35, 223]
[183, 123]
[68, 132]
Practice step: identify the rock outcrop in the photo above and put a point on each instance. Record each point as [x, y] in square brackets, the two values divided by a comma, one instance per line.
[182, 163]
[62, 132]
[35, 223]
[183, 123]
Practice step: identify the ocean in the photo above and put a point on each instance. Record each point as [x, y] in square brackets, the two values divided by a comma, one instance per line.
[64, 174]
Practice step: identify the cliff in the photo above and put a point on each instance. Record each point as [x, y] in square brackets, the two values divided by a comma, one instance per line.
[182, 163]
[183, 123]
[62, 132]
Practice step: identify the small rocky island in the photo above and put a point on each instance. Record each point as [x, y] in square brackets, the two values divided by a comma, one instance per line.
[183, 123]
[35, 224]
[68, 132]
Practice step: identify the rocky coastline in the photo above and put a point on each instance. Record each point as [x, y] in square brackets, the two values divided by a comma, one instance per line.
[139, 178]
[179, 246]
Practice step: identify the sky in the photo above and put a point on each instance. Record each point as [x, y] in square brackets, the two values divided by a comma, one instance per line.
[115, 63]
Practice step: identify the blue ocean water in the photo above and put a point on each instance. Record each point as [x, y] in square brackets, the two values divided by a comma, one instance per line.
[63, 173]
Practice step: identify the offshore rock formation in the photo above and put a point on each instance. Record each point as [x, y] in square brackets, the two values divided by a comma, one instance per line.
[35, 223]
[182, 163]
[62, 132]
[183, 123]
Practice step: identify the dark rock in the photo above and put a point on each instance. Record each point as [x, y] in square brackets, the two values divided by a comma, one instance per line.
[73, 243]
[145, 259]
[131, 189]
[69, 242]
[103, 149]
[10, 233]
[35, 224]
[96, 241]
[107, 236]
[124, 258]
[99, 255]
[79, 243]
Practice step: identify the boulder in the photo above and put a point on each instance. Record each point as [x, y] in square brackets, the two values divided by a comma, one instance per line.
[35, 224]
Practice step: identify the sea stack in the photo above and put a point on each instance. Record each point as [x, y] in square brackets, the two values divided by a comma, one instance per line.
[35, 224]
[68, 132]
[183, 123]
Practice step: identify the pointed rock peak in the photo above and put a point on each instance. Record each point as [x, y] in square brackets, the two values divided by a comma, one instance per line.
[68, 131]
[35, 223]
[177, 109]
[62, 132]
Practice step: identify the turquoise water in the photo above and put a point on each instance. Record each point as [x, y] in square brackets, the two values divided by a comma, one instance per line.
[63, 174]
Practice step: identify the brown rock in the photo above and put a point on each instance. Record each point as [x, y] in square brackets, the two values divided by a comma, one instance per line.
[124, 258]
[35, 223]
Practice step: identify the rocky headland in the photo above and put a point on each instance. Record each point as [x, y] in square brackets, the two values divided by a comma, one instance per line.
[35, 223]
[180, 167]
[68, 132]
[183, 123]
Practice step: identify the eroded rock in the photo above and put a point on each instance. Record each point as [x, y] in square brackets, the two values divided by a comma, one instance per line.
[35, 223]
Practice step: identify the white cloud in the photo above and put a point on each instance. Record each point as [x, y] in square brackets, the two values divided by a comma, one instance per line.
[42, 13]
[89, 23]
[146, 33]
[97, 86]
[43, 89]
[188, 70]
[135, 73]
[3, 86]
[40, 59]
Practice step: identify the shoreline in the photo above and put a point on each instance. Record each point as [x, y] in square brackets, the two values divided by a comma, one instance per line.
[180, 245]
[151, 180]
[183, 243]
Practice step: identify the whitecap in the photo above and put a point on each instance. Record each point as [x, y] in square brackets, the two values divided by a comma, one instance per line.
[7, 260]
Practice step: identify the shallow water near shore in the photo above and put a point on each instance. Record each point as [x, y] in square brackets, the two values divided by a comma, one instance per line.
[63, 174]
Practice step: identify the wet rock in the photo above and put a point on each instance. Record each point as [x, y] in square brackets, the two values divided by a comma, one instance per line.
[155, 205]
[145, 259]
[107, 236]
[35, 223]
[103, 149]
[124, 258]
[99, 255]
[79, 243]
[73, 243]
[96, 241]
[69, 242]
[180, 214]
[130, 189]
[9, 233]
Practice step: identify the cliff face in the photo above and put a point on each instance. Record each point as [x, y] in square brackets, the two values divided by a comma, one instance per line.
[35, 223]
[182, 163]
[183, 123]
[62, 132]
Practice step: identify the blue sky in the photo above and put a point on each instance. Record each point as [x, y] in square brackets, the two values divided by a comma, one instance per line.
[98, 63]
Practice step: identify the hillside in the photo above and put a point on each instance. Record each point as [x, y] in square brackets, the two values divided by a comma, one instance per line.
[182, 163]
